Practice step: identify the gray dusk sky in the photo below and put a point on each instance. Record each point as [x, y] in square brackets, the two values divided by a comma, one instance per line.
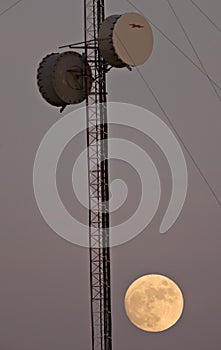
[44, 294]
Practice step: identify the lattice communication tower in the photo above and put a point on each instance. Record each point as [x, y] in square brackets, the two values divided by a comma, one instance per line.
[69, 78]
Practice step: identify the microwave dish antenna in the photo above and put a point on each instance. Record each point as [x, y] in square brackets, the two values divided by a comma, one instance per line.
[61, 78]
[125, 40]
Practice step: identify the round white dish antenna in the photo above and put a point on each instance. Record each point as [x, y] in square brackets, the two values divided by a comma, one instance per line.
[125, 40]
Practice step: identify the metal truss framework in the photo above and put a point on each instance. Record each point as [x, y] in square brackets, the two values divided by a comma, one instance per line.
[97, 137]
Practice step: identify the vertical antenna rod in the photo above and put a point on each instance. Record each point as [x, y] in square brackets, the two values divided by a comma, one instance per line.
[97, 138]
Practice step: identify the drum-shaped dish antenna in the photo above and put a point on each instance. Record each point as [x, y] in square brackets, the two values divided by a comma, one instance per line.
[125, 40]
[61, 78]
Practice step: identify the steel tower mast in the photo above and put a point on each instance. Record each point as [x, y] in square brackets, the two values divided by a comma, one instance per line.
[97, 137]
[70, 78]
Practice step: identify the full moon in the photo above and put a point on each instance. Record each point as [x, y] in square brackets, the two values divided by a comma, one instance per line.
[154, 303]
